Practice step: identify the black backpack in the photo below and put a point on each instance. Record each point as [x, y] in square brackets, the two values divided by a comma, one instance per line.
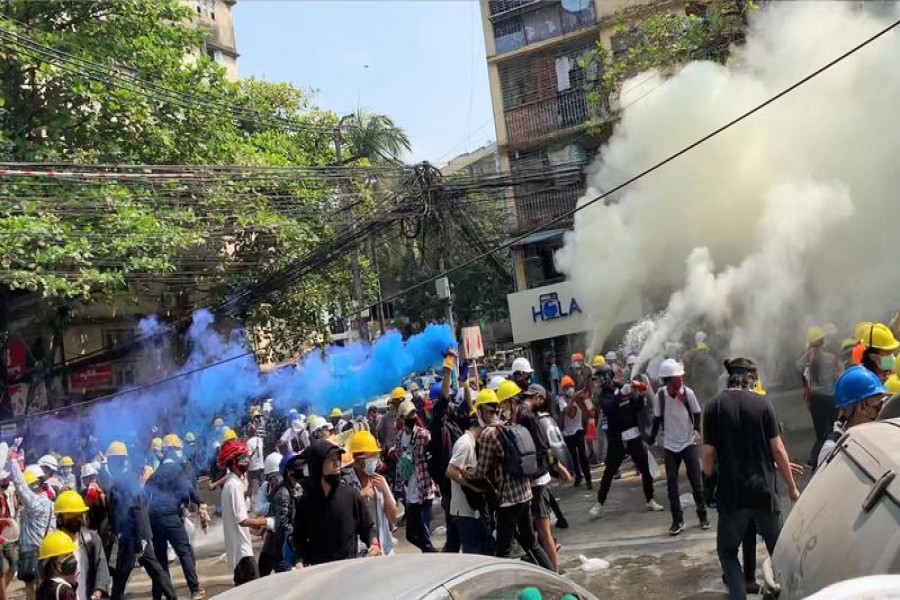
[444, 434]
[519, 452]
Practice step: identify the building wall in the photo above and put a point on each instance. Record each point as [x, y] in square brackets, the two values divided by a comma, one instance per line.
[220, 44]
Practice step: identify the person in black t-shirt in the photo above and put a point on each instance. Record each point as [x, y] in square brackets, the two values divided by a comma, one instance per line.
[741, 435]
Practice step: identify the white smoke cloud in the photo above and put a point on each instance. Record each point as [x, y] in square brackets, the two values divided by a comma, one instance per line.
[784, 220]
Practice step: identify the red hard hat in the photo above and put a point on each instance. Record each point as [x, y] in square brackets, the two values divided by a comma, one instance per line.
[229, 451]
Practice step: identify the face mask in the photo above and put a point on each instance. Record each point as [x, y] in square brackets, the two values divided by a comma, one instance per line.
[481, 421]
[675, 384]
[71, 525]
[333, 480]
[576, 365]
[69, 566]
[66, 471]
[243, 464]
[179, 454]
[410, 422]
[887, 362]
[570, 392]
[371, 466]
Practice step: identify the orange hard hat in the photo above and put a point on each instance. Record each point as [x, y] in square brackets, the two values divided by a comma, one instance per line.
[566, 382]
[578, 357]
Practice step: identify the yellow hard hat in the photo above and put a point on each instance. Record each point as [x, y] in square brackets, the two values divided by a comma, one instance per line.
[69, 503]
[892, 384]
[229, 435]
[172, 441]
[66, 461]
[879, 337]
[815, 334]
[156, 443]
[57, 543]
[759, 388]
[336, 412]
[484, 397]
[861, 329]
[398, 393]
[117, 449]
[847, 343]
[506, 390]
[362, 442]
[599, 361]
[30, 478]
[255, 413]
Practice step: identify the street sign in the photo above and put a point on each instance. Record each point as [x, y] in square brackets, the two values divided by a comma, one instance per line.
[472, 344]
[93, 377]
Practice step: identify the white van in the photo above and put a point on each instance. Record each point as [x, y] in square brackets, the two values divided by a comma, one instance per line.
[847, 521]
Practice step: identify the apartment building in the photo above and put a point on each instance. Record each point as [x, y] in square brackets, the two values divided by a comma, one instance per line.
[215, 16]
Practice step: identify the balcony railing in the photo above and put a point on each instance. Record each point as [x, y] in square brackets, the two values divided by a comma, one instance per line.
[543, 117]
[536, 207]
[543, 21]
[498, 7]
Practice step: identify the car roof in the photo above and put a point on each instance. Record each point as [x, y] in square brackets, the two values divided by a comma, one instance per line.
[388, 578]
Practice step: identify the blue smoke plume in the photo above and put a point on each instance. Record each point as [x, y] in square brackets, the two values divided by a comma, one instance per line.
[221, 378]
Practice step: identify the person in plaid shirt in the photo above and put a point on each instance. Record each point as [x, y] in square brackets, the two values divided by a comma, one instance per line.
[513, 495]
[411, 448]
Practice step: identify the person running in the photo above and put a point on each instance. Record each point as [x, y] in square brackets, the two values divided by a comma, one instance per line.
[128, 512]
[330, 518]
[59, 567]
[512, 495]
[169, 495]
[621, 406]
[93, 570]
[677, 411]
[859, 395]
[573, 432]
[412, 468]
[741, 437]
[372, 487]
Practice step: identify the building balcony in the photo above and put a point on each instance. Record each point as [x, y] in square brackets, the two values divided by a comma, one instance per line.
[536, 207]
[538, 21]
[539, 120]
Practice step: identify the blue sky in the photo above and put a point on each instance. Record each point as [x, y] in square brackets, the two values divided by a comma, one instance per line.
[421, 62]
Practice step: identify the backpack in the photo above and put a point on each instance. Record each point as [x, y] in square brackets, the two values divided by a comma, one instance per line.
[519, 453]
[661, 395]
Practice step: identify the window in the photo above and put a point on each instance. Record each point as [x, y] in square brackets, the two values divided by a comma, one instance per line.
[505, 583]
[113, 338]
[123, 375]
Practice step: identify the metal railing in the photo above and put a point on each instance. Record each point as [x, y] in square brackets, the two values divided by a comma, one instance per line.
[543, 117]
[535, 207]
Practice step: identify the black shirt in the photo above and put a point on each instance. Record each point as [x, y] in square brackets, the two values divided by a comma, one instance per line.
[739, 425]
[529, 421]
[326, 527]
[621, 411]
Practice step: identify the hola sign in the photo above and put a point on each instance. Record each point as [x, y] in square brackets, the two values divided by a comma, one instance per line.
[550, 308]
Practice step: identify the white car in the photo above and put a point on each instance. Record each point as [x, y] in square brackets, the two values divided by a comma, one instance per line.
[412, 577]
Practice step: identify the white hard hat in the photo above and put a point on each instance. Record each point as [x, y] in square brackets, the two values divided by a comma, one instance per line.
[88, 470]
[521, 365]
[494, 383]
[49, 461]
[35, 470]
[611, 356]
[632, 359]
[272, 462]
[670, 368]
[406, 407]
[700, 337]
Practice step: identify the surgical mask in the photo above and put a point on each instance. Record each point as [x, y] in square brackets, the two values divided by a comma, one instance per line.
[334, 479]
[71, 525]
[371, 466]
[179, 454]
[410, 422]
[887, 362]
[577, 365]
[66, 471]
[481, 421]
[570, 392]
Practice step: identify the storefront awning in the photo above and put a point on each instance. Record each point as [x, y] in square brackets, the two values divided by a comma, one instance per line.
[540, 236]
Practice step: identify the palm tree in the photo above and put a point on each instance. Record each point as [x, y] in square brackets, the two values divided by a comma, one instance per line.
[376, 138]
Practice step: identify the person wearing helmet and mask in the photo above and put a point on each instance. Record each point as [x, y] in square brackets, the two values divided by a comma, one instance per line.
[296, 437]
[50, 467]
[819, 370]
[877, 345]
[9, 553]
[742, 439]
[573, 433]
[621, 406]
[93, 570]
[130, 523]
[271, 557]
[59, 567]
[338, 423]
[66, 475]
[414, 475]
[859, 395]
[169, 495]
[373, 488]
[330, 518]
[236, 520]
[581, 374]
[522, 372]
[154, 454]
[677, 411]
[255, 446]
[36, 518]
[511, 495]
[98, 512]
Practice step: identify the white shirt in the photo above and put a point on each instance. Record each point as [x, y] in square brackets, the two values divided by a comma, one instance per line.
[462, 458]
[571, 425]
[255, 448]
[234, 510]
[679, 429]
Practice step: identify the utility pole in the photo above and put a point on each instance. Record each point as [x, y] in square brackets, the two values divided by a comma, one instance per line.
[429, 177]
[361, 325]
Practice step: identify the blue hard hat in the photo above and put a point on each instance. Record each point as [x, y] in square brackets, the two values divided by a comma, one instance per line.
[434, 392]
[855, 385]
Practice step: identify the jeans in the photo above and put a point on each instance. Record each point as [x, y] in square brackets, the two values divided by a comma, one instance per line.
[418, 525]
[245, 571]
[474, 536]
[270, 563]
[691, 458]
[617, 450]
[730, 535]
[578, 452]
[138, 549]
[822, 411]
[515, 521]
[169, 529]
